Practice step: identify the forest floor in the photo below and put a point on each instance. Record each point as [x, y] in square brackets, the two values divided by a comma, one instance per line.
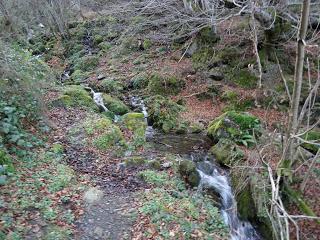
[111, 199]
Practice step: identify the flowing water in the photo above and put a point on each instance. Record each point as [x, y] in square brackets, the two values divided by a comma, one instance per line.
[213, 178]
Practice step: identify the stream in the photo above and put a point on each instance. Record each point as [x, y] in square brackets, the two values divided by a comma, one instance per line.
[194, 147]
[213, 177]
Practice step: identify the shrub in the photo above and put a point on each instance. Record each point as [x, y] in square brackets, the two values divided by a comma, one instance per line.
[87, 63]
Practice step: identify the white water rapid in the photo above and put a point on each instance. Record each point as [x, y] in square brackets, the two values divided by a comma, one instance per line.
[213, 180]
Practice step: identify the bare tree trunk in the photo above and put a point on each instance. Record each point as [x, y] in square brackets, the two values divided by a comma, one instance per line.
[5, 13]
[298, 77]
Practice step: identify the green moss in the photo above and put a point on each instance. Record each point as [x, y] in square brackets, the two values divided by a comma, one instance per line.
[153, 177]
[87, 63]
[109, 86]
[312, 136]
[297, 198]
[244, 204]
[110, 137]
[188, 171]
[104, 46]
[78, 76]
[245, 79]
[140, 81]
[154, 164]
[96, 125]
[196, 128]
[202, 57]
[75, 96]
[238, 126]
[133, 121]
[165, 85]
[163, 112]
[226, 152]
[115, 105]
[57, 148]
[147, 43]
[97, 39]
[229, 96]
[135, 161]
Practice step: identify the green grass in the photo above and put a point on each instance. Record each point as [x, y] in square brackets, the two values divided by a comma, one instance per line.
[178, 213]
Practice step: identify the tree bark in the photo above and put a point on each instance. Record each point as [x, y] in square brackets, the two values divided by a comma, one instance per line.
[298, 77]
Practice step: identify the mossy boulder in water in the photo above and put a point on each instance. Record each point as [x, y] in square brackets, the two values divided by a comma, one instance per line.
[108, 85]
[165, 84]
[163, 113]
[240, 127]
[115, 105]
[75, 96]
[136, 123]
[226, 152]
[188, 171]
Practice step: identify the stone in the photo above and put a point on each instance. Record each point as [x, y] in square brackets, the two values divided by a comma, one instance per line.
[101, 76]
[188, 170]
[215, 75]
[93, 195]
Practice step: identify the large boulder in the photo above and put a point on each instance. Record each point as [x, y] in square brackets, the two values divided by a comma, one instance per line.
[226, 152]
[75, 96]
[240, 127]
[115, 105]
[163, 113]
[188, 171]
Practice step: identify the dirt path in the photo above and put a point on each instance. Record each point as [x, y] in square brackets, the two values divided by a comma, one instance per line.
[109, 204]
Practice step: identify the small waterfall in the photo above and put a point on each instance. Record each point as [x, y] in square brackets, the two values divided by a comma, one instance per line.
[138, 103]
[213, 180]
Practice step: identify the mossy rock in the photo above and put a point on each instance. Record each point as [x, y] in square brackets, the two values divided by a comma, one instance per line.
[133, 121]
[109, 85]
[104, 46]
[106, 134]
[115, 105]
[188, 171]
[140, 81]
[78, 76]
[226, 152]
[312, 136]
[237, 126]
[135, 161]
[87, 63]
[147, 43]
[75, 96]
[163, 113]
[165, 85]
[154, 164]
[136, 123]
[97, 39]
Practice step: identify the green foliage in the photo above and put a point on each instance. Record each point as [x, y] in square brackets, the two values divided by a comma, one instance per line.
[35, 194]
[110, 85]
[226, 152]
[165, 85]
[163, 112]
[19, 99]
[140, 81]
[75, 96]
[79, 76]
[115, 105]
[244, 78]
[170, 206]
[154, 177]
[147, 43]
[87, 63]
[237, 126]
[313, 137]
[105, 134]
